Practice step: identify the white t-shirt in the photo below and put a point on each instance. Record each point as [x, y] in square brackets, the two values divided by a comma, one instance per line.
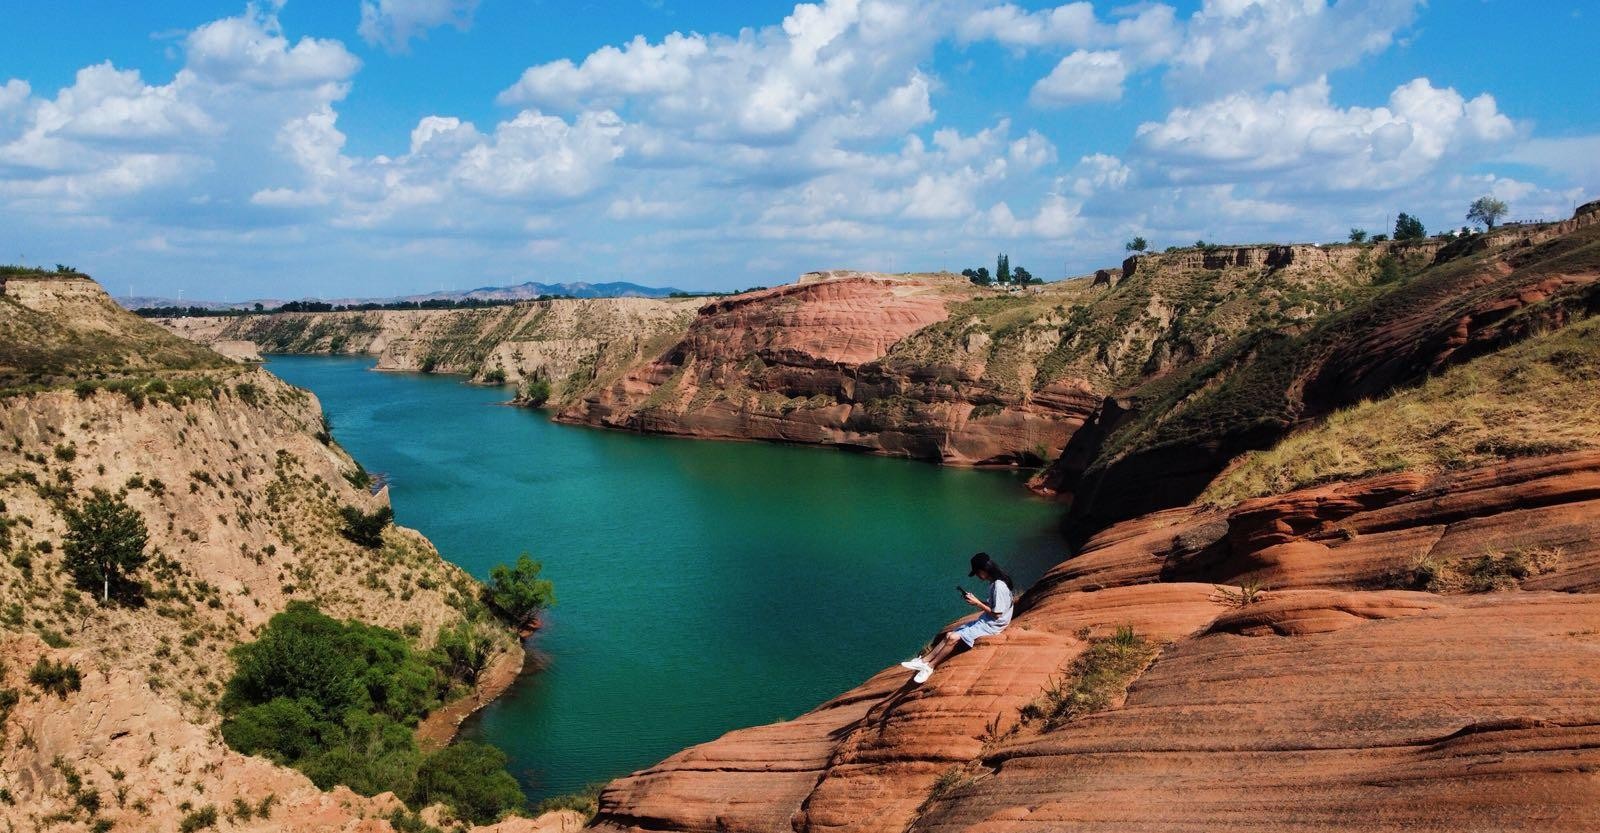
[1000, 603]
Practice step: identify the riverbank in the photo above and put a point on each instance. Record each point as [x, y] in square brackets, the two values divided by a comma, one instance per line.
[441, 725]
[689, 576]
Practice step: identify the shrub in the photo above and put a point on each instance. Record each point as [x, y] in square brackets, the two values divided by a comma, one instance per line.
[359, 477]
[471, 779]
[365, 528]
[248, 392]
[8, 701]
[105, 543]
[282, 729]
[58, 678]
[1485, 573]
[536, 393]
[66, 453]
[1389, 270]
[201, 819]
[585, 801]
[496, 376]
[1248, 593]
[464, 651]
[518, 593]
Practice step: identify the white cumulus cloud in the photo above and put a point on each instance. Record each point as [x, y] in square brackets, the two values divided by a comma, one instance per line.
[1080, 77]
[1298, 134]
[393, 24]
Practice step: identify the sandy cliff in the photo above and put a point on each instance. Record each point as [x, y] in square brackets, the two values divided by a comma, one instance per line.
[240, 490]
[570, 343]
[814, 362]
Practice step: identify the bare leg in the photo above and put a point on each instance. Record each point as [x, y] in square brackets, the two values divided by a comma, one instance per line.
[943, 649]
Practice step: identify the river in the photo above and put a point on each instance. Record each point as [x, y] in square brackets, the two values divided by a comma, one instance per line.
[701, 586]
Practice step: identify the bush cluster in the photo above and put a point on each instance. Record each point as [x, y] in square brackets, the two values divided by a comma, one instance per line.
[336, 701]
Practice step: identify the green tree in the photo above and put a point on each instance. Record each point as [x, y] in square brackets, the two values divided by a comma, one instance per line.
[1358, 235]
[363, 528]
[1002, 270]
[303, 654]
[1487, 211]
[471, 778]
[105, 543]
[1407, 227]
[1023, 277]
[1137, 244]
[465, 651]
[982, 276]
[517, 591]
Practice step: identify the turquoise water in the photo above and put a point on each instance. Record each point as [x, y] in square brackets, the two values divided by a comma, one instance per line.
[701, 586]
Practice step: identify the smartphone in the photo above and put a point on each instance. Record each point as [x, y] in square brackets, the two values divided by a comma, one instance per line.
[961, 591]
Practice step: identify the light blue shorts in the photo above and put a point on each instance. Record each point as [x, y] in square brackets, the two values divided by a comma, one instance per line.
[977, 629]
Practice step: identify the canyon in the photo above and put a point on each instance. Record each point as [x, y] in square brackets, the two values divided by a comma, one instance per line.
[1397, 632]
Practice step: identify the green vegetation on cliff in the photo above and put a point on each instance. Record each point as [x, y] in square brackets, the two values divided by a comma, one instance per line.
[335, 700]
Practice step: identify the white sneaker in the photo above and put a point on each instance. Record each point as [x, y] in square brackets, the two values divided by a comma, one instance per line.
[915, 664]
[923, 674]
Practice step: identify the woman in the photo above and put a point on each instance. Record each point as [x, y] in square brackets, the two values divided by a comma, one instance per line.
[996, 615]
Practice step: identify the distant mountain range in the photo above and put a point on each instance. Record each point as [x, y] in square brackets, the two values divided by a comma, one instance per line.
[522, 291]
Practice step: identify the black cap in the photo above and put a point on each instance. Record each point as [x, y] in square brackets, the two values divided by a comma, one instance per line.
[981, 561]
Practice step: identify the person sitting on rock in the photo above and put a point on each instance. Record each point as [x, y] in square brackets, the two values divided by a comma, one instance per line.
[994, 619]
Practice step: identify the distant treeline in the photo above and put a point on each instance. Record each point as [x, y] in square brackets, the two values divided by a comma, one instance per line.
[323, 306]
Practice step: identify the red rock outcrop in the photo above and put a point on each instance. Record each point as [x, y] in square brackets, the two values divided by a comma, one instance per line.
[807, 363]
[1335, 699]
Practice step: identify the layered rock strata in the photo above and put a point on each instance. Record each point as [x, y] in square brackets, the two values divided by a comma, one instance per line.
[1340, 698]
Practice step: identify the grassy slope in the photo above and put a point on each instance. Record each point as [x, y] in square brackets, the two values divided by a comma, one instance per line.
[1255, 382]
[42, 349]
[1538, 397]
[1168, 313]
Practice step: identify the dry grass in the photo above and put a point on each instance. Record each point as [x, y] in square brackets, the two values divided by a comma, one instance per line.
[1539, 397]
[1248, 593]
[1095, 680]
[1487, 573]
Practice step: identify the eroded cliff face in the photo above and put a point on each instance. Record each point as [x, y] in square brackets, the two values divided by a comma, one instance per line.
[816, 362]
[1341, 698]
[1170, 434]
[240, 490]
[931, 367]
[572, 344]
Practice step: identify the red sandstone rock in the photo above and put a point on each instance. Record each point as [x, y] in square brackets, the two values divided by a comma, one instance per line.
[804, 363]
[1331, 703]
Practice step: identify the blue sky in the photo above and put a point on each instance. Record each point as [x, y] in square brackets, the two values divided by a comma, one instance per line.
[377, 147]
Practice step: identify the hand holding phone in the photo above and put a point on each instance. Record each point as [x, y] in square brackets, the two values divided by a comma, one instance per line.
[964, 594]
